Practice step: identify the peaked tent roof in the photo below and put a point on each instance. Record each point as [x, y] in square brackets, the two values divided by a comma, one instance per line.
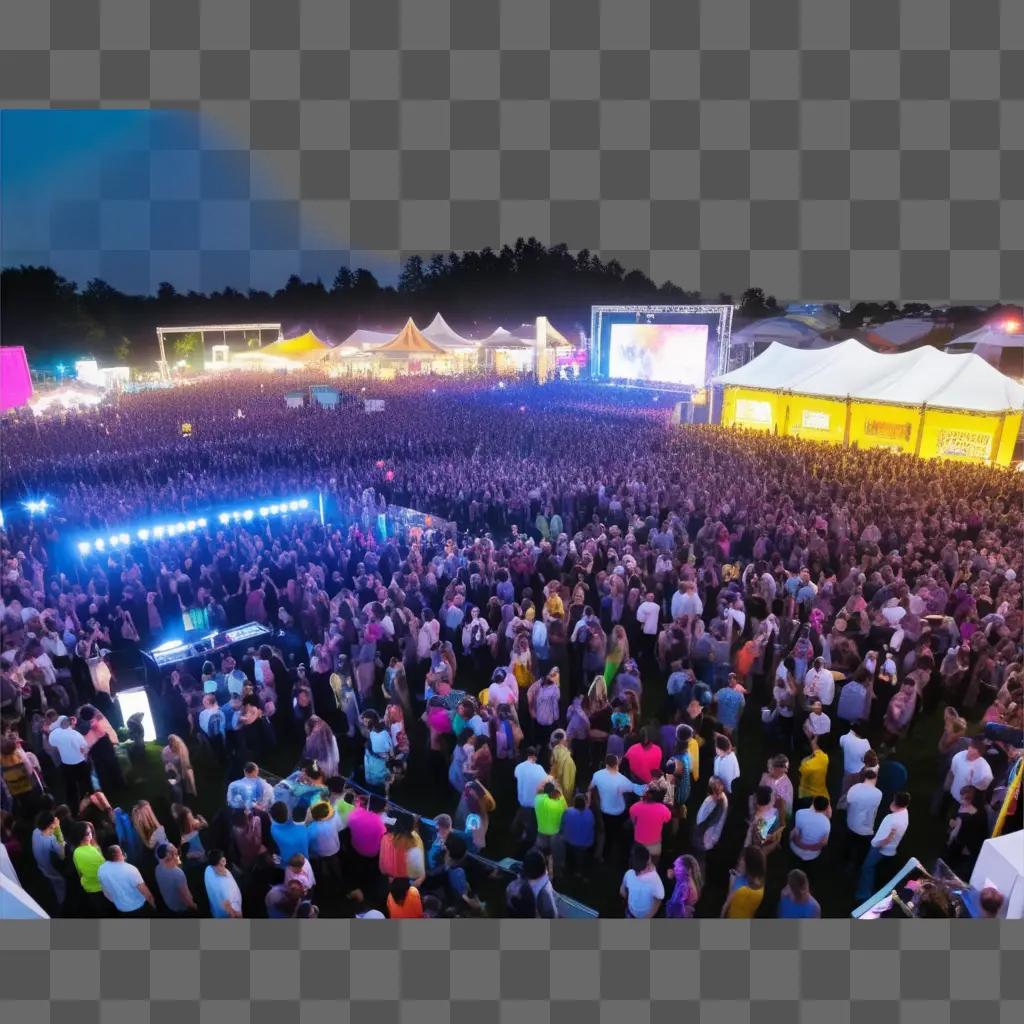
[925, 376]
[986, 339]
[500, 338]
[441, 334]
[361, 339]
[306, 347]
[410, 341]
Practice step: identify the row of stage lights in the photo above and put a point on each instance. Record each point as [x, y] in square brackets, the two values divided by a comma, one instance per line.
[162, 532]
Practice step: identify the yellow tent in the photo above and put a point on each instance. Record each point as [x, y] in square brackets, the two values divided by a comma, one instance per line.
[306, 347]
[923, 402]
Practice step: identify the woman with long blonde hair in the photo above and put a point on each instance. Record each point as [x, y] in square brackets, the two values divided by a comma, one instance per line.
[321, 746]
[189, 827]
[175, 755]
[146, 824]
[618, 652]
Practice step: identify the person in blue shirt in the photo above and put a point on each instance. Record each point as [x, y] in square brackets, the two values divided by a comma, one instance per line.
[578, 827]
[796, 901]
[289, 836]
[731, 700]
[680, 685]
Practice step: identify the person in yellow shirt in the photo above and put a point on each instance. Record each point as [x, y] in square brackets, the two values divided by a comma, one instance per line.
[746, 888]
[813, 773]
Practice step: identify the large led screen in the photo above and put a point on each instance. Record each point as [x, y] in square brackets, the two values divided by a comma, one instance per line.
[666, 353]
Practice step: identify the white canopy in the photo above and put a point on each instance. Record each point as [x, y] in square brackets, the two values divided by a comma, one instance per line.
[1001, 865]
[15, 903]
[991, 343]
[500, 338]
[441, 334]
[851, 370]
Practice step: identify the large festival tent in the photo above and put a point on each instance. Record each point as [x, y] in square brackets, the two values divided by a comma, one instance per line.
[360, 341]
[15, 903]
[924, 402]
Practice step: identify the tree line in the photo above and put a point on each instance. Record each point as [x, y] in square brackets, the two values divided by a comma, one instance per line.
[58, 321]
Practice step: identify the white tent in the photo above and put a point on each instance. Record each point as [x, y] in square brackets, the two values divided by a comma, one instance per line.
[500, 338]
[925, 376]
[15, 903]
[1002, 348]
[1001, 865]
[441, 334]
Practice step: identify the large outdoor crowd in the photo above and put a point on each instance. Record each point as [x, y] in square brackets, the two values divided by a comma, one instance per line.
[678, 671]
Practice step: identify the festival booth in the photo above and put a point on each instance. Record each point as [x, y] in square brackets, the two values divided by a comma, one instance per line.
[507, 354]
[408, 352]
[923, 402]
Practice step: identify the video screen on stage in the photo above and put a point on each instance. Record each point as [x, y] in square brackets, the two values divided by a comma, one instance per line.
[666, 353]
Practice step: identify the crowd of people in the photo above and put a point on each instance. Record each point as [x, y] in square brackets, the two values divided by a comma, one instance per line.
[678, 671]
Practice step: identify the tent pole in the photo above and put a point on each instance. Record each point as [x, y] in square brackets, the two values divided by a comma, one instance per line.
[920, 430]
[998, 439]
[849, 418]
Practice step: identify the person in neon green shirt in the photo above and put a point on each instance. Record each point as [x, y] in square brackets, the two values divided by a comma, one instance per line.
[88, 860]
[550, 808]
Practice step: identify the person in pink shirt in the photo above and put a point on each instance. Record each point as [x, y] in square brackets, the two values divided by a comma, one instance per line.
[649, 816]
[300, 870]
[643, 757]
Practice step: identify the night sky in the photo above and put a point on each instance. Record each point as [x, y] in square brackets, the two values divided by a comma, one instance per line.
[137, 197]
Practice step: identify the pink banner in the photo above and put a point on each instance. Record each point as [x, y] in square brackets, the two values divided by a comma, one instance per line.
[15, 380]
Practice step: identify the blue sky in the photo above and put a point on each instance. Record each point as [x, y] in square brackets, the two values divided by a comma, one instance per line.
[117, 194]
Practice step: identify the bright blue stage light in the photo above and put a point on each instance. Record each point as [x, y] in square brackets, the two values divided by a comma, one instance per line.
[37, 507]
[123, 539]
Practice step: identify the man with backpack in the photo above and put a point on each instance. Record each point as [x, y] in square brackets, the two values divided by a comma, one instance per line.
[531, 895]
[544, 701]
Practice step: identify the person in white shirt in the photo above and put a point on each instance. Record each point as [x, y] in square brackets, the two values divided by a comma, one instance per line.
[819, 684]
[887, 839]
[862, 803]
[221, 888]
[817, 724]
[73, 751]
[969, 768]
[648, 615]
[123, 884]
[811, 829]
[854, 745]
[611, 787]
[685, 601]
[531, 778]
[727, 765]
[642, 888]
